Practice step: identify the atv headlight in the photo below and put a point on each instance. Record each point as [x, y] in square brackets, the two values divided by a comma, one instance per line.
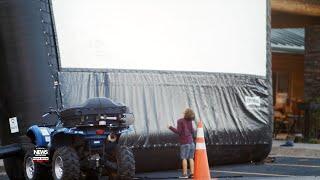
[128, 119]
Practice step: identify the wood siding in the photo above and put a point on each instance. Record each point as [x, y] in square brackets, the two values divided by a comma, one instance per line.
[294, 65]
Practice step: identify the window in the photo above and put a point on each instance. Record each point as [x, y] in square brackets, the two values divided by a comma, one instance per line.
[281, 83]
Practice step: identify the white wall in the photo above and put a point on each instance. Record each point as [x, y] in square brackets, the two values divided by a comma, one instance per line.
[188, 35]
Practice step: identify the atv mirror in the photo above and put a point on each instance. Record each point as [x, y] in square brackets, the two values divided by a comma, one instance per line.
[52, 110]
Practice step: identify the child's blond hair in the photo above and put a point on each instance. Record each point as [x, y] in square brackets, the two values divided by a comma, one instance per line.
[189, 114]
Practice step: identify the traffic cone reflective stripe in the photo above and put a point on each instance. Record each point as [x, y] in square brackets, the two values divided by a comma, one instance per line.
[201, 144]
[200, 133]
[201, 165]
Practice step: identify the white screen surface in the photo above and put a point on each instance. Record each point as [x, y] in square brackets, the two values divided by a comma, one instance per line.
[185, 35]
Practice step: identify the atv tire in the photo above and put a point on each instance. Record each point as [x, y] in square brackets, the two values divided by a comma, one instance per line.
[65, 164]
[14, 165]
[33, 171]
[126, 164]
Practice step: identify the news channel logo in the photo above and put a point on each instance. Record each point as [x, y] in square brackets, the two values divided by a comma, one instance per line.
[40, 155]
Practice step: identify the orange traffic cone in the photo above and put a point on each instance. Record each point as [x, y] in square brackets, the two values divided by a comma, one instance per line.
[201, 165]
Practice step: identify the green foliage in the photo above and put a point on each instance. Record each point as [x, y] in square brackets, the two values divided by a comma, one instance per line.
[298, 140]
[313, 141]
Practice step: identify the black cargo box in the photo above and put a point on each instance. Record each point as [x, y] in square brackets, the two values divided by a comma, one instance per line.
[91, 111]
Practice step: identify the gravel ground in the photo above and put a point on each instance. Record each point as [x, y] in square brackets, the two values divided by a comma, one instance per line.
[298, 150]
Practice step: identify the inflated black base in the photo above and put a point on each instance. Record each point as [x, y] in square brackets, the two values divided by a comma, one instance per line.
[167, 158]
[9, 150]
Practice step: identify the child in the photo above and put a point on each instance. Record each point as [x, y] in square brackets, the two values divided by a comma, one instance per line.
[185, 131]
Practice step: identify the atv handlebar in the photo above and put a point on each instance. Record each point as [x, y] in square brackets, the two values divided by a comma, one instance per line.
[56, 112]
[52, 111]
[45, 115]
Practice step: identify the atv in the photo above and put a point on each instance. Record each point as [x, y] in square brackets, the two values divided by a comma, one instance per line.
[84, 144]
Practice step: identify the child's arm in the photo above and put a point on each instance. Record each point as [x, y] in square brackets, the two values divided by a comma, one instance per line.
[174, 130]
[177, 130]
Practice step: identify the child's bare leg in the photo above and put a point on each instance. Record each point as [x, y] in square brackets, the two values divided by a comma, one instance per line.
[191, 162]
[184, 166]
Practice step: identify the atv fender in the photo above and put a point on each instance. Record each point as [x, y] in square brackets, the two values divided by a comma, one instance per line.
[40, 136]
[62, 137]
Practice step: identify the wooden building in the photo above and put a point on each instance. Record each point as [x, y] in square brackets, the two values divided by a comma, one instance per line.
[296, 55]
[288, 62]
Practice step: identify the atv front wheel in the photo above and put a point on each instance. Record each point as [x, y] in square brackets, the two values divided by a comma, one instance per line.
[14, 165]
[34, 170]
[125, 164]
[65, 164]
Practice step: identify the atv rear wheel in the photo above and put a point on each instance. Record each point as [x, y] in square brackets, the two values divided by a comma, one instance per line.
[65, 164]
[125, 164]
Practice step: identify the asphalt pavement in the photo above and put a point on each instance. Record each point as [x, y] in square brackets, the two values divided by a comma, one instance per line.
[281, 168]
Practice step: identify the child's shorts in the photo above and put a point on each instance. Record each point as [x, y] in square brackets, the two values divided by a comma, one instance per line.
[187, 151]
